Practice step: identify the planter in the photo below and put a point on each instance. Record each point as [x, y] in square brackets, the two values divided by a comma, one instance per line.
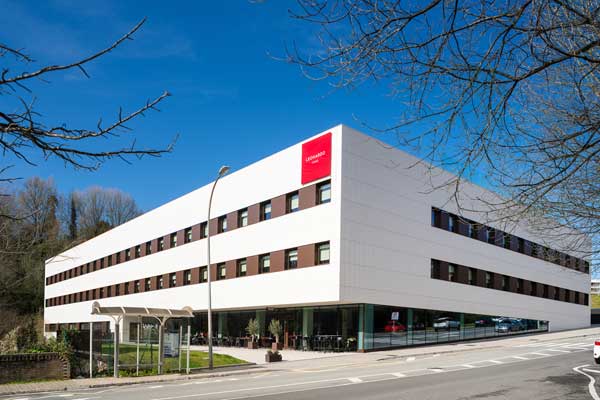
[252, 345]
[272, 357]
[277, 346]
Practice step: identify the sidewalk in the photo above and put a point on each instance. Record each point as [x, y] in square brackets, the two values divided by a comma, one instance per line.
[297, 360]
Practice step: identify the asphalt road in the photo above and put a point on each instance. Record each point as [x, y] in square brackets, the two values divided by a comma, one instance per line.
[543, 370]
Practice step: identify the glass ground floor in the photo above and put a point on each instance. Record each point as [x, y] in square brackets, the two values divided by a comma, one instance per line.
[358, 327]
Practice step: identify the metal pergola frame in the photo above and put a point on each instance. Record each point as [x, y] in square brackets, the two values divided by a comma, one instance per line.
[162, 315]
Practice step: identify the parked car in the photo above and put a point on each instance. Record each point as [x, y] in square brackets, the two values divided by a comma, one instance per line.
[445, 323]
[393, 326]
[509, 325]
[597, 351]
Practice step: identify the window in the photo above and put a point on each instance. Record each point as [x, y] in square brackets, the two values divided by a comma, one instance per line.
[148, 284]
[505, 286]
[101, 264]
[265, 211]
[187, 235]
[160, 283]
[556, 293]
[435, 217]
[534, 249]
[568, 261]
[187, 277]
[138, 251]
[243, 217]
[491, 235]
[117, 290]
[203, 275]
[203, 230]
[148, 248]
[136, 286]
[451, 222]
[173, 242]
[264, 263]
[127, 254]
[452, 272]
[126, 287]
[521, 245]
[506, 240]
[567, 295]
[292, 202]
[160, 244]
[576, 298]
[533, 289]
[323, 253]
[221, 271]
[118, 257]
[435, 269]
[108, 292]
[545, 294]
[82, 269]
[222, 224]
[472, 276]
[241, 269]
[291, 259]
[109, 263]
[489, 280]
[324, 192]
[519, 285]
[172, 279]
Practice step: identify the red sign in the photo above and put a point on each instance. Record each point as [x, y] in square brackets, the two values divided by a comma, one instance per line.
[316, 158]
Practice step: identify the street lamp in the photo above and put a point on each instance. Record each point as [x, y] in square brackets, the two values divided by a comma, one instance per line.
[222, 171]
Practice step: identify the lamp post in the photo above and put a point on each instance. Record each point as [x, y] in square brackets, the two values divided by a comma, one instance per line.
[222, 171]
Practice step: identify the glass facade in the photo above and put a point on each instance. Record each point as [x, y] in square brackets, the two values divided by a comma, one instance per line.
[359, 327]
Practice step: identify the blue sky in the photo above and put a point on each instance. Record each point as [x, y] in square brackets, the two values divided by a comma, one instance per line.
[232, 103]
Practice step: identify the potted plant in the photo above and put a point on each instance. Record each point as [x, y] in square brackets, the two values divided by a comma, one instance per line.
[253, 331]
[275, 330]
[272, 356]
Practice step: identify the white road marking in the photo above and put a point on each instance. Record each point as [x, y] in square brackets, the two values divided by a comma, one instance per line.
[155, 387]
[594, 371]
[411, 359]
[591, 385]
[355, 380]
[558, 350]
[520, 358]
[495, 362]
[398, 375]
[468, 366]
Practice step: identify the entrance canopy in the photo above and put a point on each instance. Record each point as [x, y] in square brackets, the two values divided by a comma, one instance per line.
[185, 312]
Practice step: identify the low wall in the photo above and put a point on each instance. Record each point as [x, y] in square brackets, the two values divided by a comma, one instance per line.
[33, 366]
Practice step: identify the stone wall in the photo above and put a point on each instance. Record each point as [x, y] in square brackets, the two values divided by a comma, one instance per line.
[33, 366]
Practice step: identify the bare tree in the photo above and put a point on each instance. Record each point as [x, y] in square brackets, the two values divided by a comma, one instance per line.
[24, 136]
[120, 208]
[509, 88]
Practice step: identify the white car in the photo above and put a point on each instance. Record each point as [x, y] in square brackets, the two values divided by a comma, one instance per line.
[445, 323]
[597, 351]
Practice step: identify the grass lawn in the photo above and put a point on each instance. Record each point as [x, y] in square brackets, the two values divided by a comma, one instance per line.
[198, 359]
[595, 301]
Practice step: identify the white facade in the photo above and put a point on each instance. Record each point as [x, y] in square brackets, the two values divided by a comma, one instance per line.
[378, 226]
[595, 286]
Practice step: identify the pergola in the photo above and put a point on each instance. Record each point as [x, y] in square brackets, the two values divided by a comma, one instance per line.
[162, 315]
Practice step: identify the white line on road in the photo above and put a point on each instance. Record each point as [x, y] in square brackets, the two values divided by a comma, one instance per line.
[594, 371]
[355, 380]
[468, 366]
[541, 354]
[591, 385]
[520, 358]
[495, 362]
[411, 359]
[398, 375]
[155, 387]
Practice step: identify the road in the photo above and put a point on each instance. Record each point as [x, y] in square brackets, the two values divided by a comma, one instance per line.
[540, 370]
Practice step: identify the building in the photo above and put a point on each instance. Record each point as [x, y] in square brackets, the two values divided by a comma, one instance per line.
[340, 238]
[595, 286]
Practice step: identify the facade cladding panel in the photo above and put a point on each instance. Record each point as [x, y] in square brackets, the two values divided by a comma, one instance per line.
[377, 224]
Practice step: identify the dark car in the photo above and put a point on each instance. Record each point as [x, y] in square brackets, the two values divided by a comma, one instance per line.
[483, 322]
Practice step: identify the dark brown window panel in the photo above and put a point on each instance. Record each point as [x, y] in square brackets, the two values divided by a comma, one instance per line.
[465, 227]
[442, 270]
